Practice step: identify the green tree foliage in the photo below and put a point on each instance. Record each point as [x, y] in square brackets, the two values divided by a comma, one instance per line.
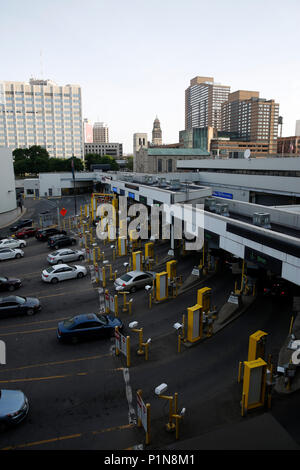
[94, 158]
[35, 159]
[129, 163]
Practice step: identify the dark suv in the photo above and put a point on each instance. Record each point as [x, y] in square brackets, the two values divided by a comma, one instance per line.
[21, 224]
[59, 241]
[44, 234]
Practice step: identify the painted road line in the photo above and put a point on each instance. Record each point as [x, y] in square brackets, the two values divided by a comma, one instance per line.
[70, 436]
[17, 325]
[54, 363]
[28, 331]
[55, 377]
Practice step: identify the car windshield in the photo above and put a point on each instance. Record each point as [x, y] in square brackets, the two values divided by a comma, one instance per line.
[126, 277]
[3, 279]
[102, 318]
[70, 323]
[55, 253]
[49, 270]
[20, 300]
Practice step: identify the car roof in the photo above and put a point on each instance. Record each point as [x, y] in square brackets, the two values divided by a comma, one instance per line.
[62, 265]
[84, 317]
[135, 273]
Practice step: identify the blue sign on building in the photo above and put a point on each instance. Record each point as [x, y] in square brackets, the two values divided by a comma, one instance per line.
[131, 195]
[220, 194]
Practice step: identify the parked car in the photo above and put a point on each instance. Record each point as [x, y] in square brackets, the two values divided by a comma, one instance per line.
[12, 243]
[26, 232]
[64, 255]
[21, 224]
[277, 288]
[44, 234]
[16, 305]
[87, 326]
[58, 241]
[134, 280]
[14, 407]
[9, 283]
[7, 253]
[62, 272]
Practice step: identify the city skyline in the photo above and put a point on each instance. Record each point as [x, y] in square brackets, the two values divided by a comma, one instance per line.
[139, 65]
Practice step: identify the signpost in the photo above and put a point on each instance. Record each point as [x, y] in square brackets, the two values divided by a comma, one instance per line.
[122, 345]
[143, 412]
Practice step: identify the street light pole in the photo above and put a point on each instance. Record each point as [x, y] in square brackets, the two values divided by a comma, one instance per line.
[73, 173]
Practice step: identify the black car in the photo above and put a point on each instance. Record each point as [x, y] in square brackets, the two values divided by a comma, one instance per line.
[44, 234]
[58, 241]
[8, 283]
[21, 224]
[87, 326]
[14, 305]
[277, 288]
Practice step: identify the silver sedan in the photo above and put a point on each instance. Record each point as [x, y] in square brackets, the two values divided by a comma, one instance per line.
[65, 255]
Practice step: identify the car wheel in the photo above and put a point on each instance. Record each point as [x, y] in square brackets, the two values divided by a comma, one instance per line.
[132, 290]
[18, 256]
[54, 280]
[74, 340]
[25, 236]
[11, 288]
[79, 275]
[30, 312]
[60, 261]
[80, 258]
[74, 242]
[56, 247]
[22, 245]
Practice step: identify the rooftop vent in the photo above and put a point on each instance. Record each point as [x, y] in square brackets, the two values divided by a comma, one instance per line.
[261, 219]
[162, 183]
[175, 185]
[210, 204]
[222, 209]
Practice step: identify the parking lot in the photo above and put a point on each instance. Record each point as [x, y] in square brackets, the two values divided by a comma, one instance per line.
[83, 396]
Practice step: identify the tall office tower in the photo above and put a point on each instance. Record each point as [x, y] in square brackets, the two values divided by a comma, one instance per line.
[87, 131]
[42, 113]
[100, 133]
[297, 129]
[250, 118]
[140, 140]
[203, 100]
[156, 132]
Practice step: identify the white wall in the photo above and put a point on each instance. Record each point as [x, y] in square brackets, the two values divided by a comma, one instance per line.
[8, 200]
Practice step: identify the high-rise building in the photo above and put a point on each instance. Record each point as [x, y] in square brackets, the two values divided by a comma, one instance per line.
[203, 100]
[42, 113]
[100, 133]
[140, 140]
[156, 132]
[250, 118]
[87, 131]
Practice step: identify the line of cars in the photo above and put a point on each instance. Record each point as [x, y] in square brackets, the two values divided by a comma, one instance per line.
[14, 405]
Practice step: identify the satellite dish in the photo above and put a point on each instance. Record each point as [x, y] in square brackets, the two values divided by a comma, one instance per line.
[247, 153]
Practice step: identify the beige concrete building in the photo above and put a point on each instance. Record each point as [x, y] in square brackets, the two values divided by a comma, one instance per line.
[164, 159]
[100, 133]
[140, 140]
[251, 119]
[203, 100]
[42, 113]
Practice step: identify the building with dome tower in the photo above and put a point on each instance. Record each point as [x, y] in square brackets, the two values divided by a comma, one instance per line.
[156, 132]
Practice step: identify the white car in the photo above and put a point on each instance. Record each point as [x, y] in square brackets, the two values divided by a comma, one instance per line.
[7, 253]
[64, 255]
[12, 243]
[62, 272]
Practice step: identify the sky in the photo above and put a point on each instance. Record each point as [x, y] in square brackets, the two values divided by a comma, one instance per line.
[135, 58]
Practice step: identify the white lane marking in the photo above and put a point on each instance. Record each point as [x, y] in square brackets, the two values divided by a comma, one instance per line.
[131, 413]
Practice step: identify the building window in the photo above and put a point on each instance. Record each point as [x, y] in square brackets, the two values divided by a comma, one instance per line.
[159, 165]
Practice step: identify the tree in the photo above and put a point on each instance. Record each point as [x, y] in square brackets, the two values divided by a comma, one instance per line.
[129, 163]
[34, 159]
[94, 158]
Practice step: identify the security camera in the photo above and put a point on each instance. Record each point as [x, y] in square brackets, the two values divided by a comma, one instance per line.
[112, 246]
[148, 340]
[105, 262]
[177, 326]
[182, 412]
[133, 324]
[125, 265]
[162, 388]
[147, 288]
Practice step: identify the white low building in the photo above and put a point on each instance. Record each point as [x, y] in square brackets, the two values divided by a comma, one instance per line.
[8, 200]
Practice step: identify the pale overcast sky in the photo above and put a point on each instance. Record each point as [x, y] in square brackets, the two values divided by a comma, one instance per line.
[135, 58]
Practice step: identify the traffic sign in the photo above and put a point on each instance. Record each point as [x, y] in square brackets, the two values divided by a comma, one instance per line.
[63, 211]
